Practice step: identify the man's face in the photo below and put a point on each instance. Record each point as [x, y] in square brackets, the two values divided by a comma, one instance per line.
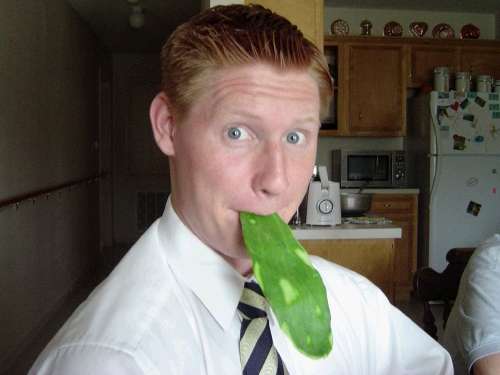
[248, 144]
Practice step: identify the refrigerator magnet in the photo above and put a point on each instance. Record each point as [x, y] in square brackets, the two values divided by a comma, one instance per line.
[459, 143]
[464, 104]
[442, 114]
[480, 101]
[473, 208]
[468, 117]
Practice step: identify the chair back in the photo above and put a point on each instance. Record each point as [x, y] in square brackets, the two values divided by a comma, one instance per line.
[433, 286]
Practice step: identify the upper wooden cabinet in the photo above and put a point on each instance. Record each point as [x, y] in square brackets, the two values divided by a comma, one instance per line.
[371, 75]
[423, 59]
[376, 90]
[306, 14]
[478, 57]
[370, 95]
[481, 61]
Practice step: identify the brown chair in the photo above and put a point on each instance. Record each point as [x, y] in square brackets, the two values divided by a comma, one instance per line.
[441, 287]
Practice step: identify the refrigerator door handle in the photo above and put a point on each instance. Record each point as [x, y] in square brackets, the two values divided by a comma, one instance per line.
[435, 165]
[435, 171]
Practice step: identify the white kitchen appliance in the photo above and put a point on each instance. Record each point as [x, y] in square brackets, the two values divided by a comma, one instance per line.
[453, 147]
[323, 201]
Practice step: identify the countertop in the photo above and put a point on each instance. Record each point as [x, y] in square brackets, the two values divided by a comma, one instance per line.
[345, 232]
[381, 191]
[353, 231]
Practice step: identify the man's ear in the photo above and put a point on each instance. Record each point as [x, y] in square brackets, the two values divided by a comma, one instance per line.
[162, 123]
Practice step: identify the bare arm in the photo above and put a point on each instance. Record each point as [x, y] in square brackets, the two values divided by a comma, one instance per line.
[489, 365]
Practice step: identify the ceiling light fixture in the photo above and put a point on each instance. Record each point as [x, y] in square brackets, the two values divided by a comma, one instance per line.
[136, 18]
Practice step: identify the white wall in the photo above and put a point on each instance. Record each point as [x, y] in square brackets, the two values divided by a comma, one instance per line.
[379, 17]
[49, 123]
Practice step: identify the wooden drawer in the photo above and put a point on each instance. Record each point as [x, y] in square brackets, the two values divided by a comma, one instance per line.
[392, 203]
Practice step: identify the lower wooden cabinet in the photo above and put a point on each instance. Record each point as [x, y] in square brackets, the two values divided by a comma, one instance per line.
[402, 209]
[372, 258]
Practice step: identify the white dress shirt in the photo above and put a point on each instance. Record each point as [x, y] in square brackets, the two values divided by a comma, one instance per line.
[169, 307]
[473, 328]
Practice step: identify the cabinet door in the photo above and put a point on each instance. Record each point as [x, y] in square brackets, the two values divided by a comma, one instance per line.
[402, 210]
[372, 258]
[424, 59]
[479, 61]
[403, 254]
[376, 90]
[306, 14]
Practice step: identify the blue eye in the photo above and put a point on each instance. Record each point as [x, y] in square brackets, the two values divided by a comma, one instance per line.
[237, 133]
[234, 133]
[295, 138]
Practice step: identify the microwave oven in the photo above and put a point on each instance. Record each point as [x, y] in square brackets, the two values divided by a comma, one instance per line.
[383, 168]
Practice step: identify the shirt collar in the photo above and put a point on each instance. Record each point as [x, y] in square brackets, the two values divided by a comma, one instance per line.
[214, 281]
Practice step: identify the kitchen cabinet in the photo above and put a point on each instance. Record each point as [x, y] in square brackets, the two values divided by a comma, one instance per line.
[479, 57]
[402, 209]
[377, 96]
[306, 14]
[481, 61]
[370, 94]
[423, 59]
[372, 258]
[371, 75]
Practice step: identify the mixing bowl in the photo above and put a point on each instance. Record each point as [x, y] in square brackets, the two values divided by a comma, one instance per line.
[355, 204]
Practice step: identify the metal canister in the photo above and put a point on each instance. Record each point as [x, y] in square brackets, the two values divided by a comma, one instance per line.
[462, 82]
[483, 84]
[497, 85]
[442, 79]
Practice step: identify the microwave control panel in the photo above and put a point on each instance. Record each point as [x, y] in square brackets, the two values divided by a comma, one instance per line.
[399, 169]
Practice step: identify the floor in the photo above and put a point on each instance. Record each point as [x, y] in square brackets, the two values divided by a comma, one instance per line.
[24, 362]
[28, 357]
[412, 308]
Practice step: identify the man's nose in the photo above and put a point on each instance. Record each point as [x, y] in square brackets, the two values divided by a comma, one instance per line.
[271, 177]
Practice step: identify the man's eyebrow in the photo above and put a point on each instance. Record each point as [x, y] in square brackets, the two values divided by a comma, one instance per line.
[248, 113]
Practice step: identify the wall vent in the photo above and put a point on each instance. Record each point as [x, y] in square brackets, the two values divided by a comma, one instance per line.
[150, 206]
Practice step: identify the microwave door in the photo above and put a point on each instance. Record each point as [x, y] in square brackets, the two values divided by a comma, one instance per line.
[381, 170]
[373, 168]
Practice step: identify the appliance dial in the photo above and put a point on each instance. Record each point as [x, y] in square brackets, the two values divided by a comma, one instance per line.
[325, 206]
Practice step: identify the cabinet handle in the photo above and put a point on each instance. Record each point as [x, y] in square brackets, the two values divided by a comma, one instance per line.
[387, 205]
[360, 115]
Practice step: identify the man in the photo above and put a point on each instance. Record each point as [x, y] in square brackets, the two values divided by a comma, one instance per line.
[472, 334]
[239, 115]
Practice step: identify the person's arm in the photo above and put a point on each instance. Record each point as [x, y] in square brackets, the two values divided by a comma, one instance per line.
[489, 365]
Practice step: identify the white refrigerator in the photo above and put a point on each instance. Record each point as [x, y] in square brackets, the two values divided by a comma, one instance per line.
[453, 153]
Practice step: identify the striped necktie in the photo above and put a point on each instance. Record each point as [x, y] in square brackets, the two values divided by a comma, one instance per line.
[257, 352]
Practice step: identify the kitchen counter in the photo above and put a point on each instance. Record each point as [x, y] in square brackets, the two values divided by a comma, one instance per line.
[346, 232]
[382, 191]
